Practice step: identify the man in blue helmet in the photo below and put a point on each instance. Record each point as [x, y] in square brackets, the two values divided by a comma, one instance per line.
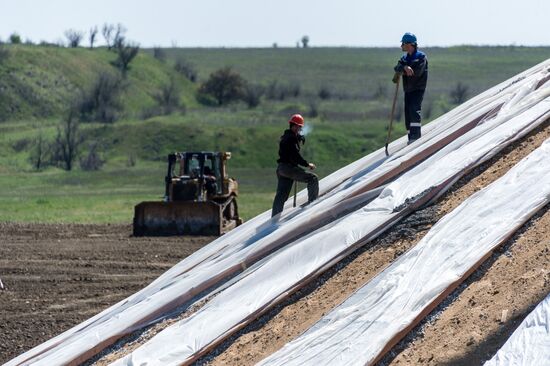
[413, 65]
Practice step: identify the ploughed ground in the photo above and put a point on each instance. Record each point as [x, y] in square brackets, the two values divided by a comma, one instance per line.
[59, 275]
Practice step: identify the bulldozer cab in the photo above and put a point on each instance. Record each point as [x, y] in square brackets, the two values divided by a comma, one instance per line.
[204, 165]
[200, 176]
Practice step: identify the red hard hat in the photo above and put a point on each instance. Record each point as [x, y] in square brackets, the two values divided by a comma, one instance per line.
[297, 119]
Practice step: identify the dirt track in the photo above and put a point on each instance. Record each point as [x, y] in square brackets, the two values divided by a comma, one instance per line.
[60, 275]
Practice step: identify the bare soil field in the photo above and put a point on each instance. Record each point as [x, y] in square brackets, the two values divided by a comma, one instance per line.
[57, 276]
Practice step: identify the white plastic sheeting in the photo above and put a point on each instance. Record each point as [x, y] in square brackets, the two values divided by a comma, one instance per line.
[272, 279]
[529, 345]
[119, 319]
[226, 256]
[357, 331]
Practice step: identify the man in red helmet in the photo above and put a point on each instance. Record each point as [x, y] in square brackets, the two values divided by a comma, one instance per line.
[288, 170]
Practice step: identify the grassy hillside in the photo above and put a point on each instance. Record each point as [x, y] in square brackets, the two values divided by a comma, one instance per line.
[37, 85]
[360, 71]
[40, 82]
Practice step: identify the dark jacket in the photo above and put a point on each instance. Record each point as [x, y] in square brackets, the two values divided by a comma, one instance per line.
[419, 63]
[289, 150]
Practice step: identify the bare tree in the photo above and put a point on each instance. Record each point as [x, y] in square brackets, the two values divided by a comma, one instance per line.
[39, 152]
[92, 36]
[305, 41]
[67, 142]
[74, 37]
[107, 32]
[119, 39]
[126, 53]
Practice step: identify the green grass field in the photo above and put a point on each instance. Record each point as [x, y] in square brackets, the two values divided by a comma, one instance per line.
[37, 85]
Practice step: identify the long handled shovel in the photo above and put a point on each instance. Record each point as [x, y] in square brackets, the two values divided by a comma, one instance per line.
[391, 115]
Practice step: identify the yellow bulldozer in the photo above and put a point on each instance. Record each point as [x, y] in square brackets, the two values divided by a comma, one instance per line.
[201, 199]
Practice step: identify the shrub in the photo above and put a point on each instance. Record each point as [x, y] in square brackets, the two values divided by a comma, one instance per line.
[186, 69]
[20, 144]
[102, 102]
[459, 93]
[224, 85]
[168, 97]
[206, 99]
[272, 91]
[92, 161]
[313, 110]
[324, 93]
[44, 43]
[126, 52]
[15, 38]
[252, 95]
[159, 54]
[294, 90]
[276, 91]
[4, 53]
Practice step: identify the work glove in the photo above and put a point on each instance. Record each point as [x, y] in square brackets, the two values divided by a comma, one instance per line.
[396, 77]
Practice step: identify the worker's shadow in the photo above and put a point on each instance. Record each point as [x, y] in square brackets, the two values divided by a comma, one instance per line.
[274, 223]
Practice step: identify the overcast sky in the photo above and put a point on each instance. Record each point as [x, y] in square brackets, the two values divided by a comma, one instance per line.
[256, 23]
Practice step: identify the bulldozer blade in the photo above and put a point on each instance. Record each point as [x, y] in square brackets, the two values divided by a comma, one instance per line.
[180, 218]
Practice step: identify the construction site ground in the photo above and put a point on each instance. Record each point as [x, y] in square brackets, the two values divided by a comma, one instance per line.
[58, 276]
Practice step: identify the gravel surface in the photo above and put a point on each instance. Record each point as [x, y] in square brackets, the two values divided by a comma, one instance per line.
[288, 320]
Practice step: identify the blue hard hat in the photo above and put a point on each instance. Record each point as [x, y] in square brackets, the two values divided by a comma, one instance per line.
[408, 38]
